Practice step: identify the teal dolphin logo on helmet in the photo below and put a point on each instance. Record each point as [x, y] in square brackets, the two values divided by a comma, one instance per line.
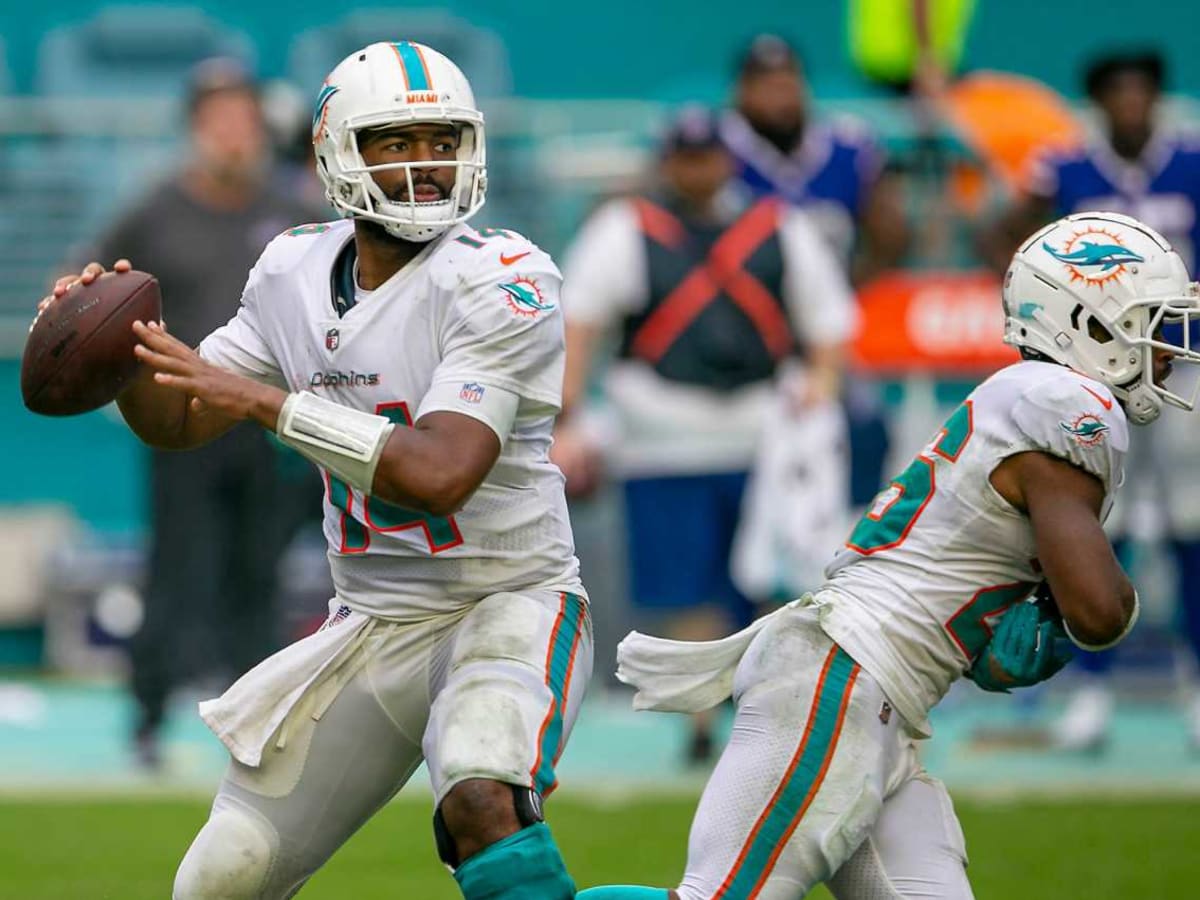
[1104, 255]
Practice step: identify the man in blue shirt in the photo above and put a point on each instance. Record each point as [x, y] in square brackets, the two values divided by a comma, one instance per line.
[1139, 166]
[835, 171]
[832, 168]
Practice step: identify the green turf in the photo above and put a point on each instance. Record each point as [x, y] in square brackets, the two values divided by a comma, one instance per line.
[128, 849]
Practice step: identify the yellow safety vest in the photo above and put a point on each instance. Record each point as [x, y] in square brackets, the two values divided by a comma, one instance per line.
[883, 35]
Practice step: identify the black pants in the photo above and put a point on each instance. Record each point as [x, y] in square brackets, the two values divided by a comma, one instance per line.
[218, 530]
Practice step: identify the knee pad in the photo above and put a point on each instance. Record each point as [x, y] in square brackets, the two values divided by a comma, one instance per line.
[485, 725]
[230, 859]
[523, 866]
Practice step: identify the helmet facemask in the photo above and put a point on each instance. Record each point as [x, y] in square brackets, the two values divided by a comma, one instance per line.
[354, 191]
[1168, 325]
[1105, 295]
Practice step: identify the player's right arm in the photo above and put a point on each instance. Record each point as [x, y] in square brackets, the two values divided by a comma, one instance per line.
[161, 417]
[1064, 504]
[166, 418]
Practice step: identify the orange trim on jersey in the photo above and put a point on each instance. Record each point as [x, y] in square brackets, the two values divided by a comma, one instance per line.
[915, 516]
[949, 626]
[970, 405]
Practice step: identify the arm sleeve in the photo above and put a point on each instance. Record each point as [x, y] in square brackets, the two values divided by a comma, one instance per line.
[240, 346]
[502, 343]
[1075, 419]
[604, 270]
[815, 287]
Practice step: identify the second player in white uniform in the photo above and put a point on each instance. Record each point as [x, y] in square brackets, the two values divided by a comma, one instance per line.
[820, 781]
[419, 363]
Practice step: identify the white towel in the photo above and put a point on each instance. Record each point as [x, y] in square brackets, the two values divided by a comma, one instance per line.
[685, 676]
[795, 508]
[248, 715]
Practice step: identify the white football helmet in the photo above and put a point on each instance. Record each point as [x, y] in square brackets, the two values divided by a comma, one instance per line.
[1091, 292]
[397, 83]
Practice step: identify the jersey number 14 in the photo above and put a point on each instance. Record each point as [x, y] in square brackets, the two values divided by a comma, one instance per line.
[440, 533]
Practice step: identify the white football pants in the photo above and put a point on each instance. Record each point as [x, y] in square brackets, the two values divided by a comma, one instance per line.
[492, 692]
[819, 783]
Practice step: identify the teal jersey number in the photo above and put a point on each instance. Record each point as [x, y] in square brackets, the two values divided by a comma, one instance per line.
[896, 510]
[971, 627]
[440, 533]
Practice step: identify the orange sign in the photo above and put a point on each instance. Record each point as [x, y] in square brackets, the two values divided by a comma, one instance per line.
[933, 323]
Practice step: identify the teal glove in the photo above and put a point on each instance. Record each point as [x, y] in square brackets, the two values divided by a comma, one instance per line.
[1029, 645]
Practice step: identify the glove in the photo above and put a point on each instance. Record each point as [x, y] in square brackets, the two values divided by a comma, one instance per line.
[1028, 646]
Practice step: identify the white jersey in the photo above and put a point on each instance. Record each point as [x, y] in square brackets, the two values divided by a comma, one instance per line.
[471, 325]
[940, 554]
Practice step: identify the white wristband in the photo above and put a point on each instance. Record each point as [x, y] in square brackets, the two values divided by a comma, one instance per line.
[1093, 648]
[347, 442]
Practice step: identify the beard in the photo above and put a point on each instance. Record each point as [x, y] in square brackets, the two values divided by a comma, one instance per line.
[400, 194]
[782, 136]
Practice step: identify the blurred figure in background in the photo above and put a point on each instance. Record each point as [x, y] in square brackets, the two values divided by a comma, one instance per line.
[836, 172]
[710, 293]
[833, 169]
[216, 534]
[1140, 166]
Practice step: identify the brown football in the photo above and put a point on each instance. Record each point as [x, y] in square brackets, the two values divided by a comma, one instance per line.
[79, 354]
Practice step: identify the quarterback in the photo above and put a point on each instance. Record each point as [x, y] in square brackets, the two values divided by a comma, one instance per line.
[820, 781]
[418, 362]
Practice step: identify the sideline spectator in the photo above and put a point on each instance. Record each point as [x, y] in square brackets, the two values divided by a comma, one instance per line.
[836, 172]
[711, 294]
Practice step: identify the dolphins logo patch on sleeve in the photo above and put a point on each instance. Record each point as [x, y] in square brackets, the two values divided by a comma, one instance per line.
[525, 298]
[1087, 429]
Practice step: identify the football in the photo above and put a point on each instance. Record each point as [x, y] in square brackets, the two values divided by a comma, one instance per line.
[79, 354]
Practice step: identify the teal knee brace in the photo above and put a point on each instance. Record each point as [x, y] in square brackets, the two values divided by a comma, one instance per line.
[523, 866]
[623, 892]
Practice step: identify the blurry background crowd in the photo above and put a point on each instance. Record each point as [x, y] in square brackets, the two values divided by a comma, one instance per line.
[741, 378]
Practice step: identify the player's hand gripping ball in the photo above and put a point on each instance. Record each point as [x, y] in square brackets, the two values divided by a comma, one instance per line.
[79, 353]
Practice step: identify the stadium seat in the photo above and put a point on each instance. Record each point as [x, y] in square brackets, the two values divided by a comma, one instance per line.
[478, 52]
[132, 51]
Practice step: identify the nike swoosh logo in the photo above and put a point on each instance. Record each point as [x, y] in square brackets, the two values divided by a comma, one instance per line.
[509, 260]
[1107, 404]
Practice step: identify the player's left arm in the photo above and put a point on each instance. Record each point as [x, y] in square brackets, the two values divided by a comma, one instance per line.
[1096, 599]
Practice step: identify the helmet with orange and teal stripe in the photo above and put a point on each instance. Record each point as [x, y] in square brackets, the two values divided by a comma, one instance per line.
[395, 84]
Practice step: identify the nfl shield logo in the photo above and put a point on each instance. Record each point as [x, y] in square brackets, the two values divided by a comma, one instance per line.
[331, 339]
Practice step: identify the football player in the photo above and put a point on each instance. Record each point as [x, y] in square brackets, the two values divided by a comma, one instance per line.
[820, 781]
[418, 362]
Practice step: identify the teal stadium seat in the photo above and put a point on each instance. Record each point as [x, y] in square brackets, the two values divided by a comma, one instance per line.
[480, 53]
[133, 51]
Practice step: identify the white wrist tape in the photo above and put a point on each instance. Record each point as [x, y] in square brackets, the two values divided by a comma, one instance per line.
[344, 441]
[1133, 617]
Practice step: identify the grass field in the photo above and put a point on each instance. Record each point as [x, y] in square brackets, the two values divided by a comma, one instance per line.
[71, 849]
